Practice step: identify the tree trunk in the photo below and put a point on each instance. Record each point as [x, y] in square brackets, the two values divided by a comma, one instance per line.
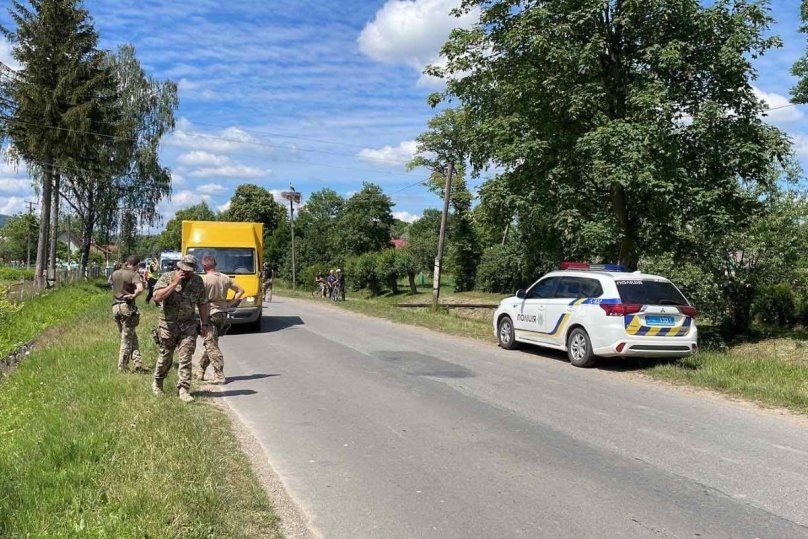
[54, 227]
[44, 221]
[411, 277]
[627, 246]
[87, 234]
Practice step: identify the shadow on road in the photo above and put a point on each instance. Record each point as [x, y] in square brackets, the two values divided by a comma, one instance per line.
[269, 324]
[612, 364]
[249, 377]
[227, 393]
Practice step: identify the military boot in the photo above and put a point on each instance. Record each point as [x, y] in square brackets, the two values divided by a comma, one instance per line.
[219, 379]
[157, 387]
[185, 396]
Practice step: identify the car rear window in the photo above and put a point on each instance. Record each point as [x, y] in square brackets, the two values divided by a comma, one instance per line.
[644, 292]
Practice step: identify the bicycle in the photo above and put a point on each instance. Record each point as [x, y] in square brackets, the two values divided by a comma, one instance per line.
[337, 293]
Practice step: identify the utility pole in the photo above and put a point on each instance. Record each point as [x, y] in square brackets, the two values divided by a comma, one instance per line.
[442, 238]
[292, 196]
[30, 217]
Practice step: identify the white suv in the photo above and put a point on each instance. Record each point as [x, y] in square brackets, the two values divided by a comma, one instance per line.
[592, 311]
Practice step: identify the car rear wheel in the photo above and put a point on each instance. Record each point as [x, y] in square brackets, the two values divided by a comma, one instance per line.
[579, 349]
[505, 333]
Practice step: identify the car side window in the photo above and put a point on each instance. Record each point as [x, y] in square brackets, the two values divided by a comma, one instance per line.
[543, 289]
[578, 287]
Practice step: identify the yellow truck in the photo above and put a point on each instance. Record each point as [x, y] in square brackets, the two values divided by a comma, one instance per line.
[239, 252]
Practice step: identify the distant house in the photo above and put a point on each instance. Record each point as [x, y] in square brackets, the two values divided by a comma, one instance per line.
[399, 243]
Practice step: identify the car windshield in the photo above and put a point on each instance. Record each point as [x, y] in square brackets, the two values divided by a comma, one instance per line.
[167, 265]
[229, 260]
[643, 292]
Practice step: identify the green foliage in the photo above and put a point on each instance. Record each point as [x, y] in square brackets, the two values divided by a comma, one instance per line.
[776, 304]
[389, 269]
[424, 239]
[363, 272]
[407, 265]
[254, 204]
[14, 237]
[15, 274]
[7, 308]
[609, 147]
[501, 269]
[316, 225]
[171, 238]
[464, 251]
[309, 274]
[365, 221]
[799, 92]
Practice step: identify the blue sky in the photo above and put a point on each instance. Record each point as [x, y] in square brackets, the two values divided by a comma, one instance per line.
[317, 93]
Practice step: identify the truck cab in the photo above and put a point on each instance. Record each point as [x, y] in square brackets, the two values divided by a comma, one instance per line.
[239, 252]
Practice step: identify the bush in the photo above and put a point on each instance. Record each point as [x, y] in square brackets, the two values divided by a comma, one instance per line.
[500, 270]
[362, 272]
[776, 304]
[309, 274]
[388, 269]
[6, 307]
[15, 274]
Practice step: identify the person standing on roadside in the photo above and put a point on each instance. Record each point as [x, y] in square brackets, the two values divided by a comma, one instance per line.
[267, 275]
[216, 286]
[152, 274]
[179, 292]
[126, 286]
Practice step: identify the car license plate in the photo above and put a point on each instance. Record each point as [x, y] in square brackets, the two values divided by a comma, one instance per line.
[659, 320]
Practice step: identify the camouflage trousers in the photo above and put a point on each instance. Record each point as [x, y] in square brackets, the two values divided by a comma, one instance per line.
[213, 355]
[127, 318]
[180, 336]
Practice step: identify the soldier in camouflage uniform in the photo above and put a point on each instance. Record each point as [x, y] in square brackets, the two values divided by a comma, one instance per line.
[178, 293]
[126, 286]
[217, 285]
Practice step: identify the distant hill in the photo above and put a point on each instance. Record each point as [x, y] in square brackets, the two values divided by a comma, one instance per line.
[3, 219]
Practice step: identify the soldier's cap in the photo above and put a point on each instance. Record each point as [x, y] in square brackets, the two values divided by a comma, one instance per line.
[188, 263]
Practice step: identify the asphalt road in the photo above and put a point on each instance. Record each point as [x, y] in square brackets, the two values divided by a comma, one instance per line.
[382, 430]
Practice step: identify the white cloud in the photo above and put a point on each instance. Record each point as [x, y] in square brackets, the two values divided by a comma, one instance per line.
[15, 186]
[12, 205]
[200, 158]
[800, 144]
[231, 171]
[5, 55]
[229, 140]
[212, 189]
[177, 180]
[276, 194]
[411, 32]
[405, 216]
[223, 207]
[788, 112]
[390, 156]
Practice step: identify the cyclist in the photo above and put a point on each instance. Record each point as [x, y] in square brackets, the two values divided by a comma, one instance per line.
[320, 283]
[340, 286]
[266, 276]
[330, 280]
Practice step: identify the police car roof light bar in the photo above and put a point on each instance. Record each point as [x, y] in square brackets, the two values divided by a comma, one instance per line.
[594, 267]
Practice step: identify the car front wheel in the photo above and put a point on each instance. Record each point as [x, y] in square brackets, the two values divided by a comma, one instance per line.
[505, 334]
[579, 349]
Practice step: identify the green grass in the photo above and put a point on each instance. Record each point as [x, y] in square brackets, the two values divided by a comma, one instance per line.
[87, 452]
[48, 309]
[772, 370]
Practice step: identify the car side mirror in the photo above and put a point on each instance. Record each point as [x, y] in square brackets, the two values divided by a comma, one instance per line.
[520, 293]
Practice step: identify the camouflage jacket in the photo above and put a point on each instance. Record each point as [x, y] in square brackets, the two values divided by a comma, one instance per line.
[180, 306]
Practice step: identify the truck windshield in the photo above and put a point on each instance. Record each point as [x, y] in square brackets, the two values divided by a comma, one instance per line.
[229, 260]
[167, 265]
[644, 292]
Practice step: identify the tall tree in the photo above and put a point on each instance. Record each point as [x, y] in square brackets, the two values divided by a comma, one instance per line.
[54, 96]
[253, 204]
[171, 238]
[316, 225]
[14, 236]
[800, 91]
[624, 122]
[365, 222]
[127, 180]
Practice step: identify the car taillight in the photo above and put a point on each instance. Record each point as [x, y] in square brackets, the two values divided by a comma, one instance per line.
[620, 309]
[688, 311]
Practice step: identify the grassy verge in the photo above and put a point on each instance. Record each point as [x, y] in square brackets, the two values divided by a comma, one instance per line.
[85, 451]
[772, 372]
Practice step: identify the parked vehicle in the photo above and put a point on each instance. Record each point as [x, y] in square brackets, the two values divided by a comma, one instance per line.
[168, 260]
[239, 252]
[599, 311]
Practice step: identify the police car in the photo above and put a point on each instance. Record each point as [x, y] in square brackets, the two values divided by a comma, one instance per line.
[593, 311]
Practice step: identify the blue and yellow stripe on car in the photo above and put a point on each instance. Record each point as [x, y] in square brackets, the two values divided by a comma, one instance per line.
[635, 327]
